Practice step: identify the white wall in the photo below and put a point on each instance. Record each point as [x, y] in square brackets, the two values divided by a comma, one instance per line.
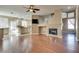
[41, 20]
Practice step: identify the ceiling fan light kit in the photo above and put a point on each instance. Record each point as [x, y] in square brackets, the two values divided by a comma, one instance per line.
[32, 9]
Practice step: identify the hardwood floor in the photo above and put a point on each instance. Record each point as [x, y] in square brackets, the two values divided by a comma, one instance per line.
[15, 44]
[42, 43]
[39, 44]
[69, 41]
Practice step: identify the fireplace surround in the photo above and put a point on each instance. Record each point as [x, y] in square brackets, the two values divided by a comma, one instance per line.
[53, 31]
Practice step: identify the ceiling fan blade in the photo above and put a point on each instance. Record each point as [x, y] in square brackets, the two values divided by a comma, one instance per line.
[37, 9]
[34, 11]
[27, 10]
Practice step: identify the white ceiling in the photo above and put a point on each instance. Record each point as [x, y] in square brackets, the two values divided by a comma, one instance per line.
[44, 9]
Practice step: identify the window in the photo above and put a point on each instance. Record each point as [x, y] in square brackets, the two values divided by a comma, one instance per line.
[64, 15]
[68, 14]
[71, 23]
[70, 20]
[71, 14]
[4, 23]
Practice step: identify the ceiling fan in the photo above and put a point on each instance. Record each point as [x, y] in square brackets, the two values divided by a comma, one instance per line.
[32, 8]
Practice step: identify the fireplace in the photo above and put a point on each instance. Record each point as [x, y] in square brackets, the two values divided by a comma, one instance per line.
[53, 31]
